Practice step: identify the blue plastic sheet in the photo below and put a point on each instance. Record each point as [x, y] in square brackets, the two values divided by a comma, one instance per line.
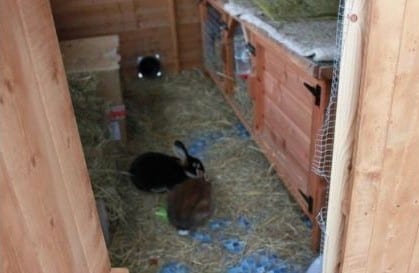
[244, 223]
[263, 262]
[218, 224]
[175, 267]
[234, 245]
[202, 237]
[201, 143]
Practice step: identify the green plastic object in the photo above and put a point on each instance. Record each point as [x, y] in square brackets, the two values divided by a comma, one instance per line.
[161, 213]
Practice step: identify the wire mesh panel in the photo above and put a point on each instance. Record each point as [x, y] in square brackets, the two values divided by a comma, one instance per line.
[242, 69]
[324, 146]
[322, 163]
[213, 29]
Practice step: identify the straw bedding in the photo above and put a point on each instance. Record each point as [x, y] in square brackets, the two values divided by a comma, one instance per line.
[242, 99]
[251, 205]
[100, 152]
[189, 107]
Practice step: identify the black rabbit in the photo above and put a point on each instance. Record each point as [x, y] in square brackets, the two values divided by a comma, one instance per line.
[158, 172]
[189, 204]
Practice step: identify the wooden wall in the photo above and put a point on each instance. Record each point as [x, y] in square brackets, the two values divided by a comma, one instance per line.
[48, 218]
[168, 27]
[383, 223]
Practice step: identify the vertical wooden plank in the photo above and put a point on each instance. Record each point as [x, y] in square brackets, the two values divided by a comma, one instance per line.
[56, 227]
[414, 263]
[349, 83]
[381, 233]
[64, 135]
[189, 34]
[23, 146]
[11, 251]
[203, 17]
[174, 33]
[258, 90]
[398, 199]
[316, 185]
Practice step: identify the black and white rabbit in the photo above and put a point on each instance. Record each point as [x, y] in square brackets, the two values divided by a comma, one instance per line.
[158, 172]
[189, 204]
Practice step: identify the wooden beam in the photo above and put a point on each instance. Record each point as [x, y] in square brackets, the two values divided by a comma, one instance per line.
[91, 54]
[382, 235]
[349, 82]
[317, 185]
[173, 29]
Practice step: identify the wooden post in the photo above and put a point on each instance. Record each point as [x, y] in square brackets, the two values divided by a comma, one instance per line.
[349, 82]
[173, 29]
[49, 221]
[383, 227]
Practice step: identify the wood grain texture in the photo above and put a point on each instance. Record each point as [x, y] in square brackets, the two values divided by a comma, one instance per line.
[286, 117]
[174, 33]
[382, 235]
[296, 62]
[257, 82]
[289, 111]
[286, 120]
[349, 84]
[294, 141]
[91, 54]
[316, 184]
[145, 27]
[52, 221]
[13, 244]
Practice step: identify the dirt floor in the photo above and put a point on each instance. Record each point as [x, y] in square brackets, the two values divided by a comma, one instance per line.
[253, 211]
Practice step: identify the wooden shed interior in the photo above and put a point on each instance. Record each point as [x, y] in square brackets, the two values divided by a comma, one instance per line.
[278, 97]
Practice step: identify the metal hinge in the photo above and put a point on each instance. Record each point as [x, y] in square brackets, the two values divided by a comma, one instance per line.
[251, 48]
[309, 201]
[316, 91]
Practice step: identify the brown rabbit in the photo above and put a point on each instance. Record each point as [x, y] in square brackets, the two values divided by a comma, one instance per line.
[189, 204]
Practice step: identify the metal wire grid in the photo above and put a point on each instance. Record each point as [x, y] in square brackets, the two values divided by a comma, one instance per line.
[322, 163]
[213, 29]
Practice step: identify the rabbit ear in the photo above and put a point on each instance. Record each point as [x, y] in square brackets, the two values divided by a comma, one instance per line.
[180, 151]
